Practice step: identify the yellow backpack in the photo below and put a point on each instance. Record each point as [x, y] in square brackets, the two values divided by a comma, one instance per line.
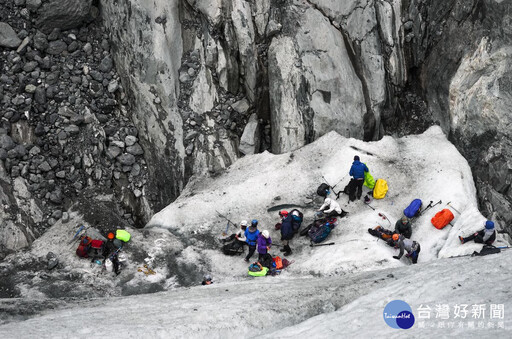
[380, 189]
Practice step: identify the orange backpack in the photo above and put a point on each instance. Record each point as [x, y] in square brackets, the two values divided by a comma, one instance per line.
[442, 218]
[278, 262]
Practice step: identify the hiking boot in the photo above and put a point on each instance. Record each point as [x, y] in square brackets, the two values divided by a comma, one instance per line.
[461, 239]
[246, 260]
[282, 249]
[287, 253]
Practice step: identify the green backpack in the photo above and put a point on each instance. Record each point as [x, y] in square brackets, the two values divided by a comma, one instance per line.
[260, 273]
[368, 180]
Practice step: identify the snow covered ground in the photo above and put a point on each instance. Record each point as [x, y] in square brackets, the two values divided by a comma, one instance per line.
[286, 307]
[330, 291]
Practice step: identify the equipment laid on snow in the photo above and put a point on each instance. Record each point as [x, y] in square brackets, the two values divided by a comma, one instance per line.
[320, 231]
[84, 246]
[317, 245]
[80, 229]
[146, 270]
[430, 205]
[456, 210]
[442, 218]
[233, 248]
[414, 209]
[380, 189]
[382, 233]
[383, 216]
[123, 235]
[323, 190]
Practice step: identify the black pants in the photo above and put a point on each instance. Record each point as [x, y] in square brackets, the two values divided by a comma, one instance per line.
[359, 192]
[252, 249]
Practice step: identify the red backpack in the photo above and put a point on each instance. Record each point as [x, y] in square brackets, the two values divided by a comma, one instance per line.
[442, 218]
[83, 247]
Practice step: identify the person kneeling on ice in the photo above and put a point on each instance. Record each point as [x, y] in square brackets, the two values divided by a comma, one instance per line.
[287, 231]
[251, 238]
[412, 248]
[264, 243]
[485, 236]
[403, 226]
[239, 235]
[330, 208]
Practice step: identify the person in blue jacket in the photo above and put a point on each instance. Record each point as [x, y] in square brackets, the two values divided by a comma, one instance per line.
[251, 237]
[357, 172]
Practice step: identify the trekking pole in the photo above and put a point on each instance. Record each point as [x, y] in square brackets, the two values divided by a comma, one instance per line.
[370, 206]
[385, 218]
[456, 210]
[224, 217]
[332, 187]
[339, 181]
[427, 207]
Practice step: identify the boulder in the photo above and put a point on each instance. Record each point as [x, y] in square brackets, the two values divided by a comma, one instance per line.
[8, 37]
[63, 14]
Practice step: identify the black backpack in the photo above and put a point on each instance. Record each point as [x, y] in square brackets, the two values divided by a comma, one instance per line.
[233, 248]
[350, 189]
[322, 190]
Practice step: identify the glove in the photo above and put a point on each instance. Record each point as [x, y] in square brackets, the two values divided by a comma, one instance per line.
[396, 257]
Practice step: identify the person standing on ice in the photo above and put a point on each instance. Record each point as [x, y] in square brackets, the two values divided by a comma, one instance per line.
[412, 247]
[330, 208]
[287, 231]
[485, 236]
[264, 243]
[357, 172]
[251, 238]
[403, 226]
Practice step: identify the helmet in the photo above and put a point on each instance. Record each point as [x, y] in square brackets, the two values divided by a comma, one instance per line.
[208, 277]
[111, 235]
[489, 225]
[356, 157]
[327, 201]
[395, 237]
[265, 234]
[243, 223]
[404, 219]
[254, 222]
[283, 213]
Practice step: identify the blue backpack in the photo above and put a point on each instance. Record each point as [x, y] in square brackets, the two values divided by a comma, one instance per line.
[413, 209]
[318, 234]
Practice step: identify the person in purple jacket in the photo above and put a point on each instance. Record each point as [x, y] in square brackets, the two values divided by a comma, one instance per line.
[264, 243]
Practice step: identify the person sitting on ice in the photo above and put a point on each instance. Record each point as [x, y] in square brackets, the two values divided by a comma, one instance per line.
[486, 236]
[331, 208]
[403, 226]
[412, 247]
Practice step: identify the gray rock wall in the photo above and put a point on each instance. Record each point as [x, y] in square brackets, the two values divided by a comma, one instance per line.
[462, 49]
[147, 47]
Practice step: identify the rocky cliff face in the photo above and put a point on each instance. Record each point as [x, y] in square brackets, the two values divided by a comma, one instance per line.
[126, 100]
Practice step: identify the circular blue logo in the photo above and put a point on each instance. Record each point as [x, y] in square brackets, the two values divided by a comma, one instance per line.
[398, 314]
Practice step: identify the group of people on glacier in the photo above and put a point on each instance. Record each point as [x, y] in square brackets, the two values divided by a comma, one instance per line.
[400, 238]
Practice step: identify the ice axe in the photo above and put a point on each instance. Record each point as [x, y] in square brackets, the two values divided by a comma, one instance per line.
[456, 210]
